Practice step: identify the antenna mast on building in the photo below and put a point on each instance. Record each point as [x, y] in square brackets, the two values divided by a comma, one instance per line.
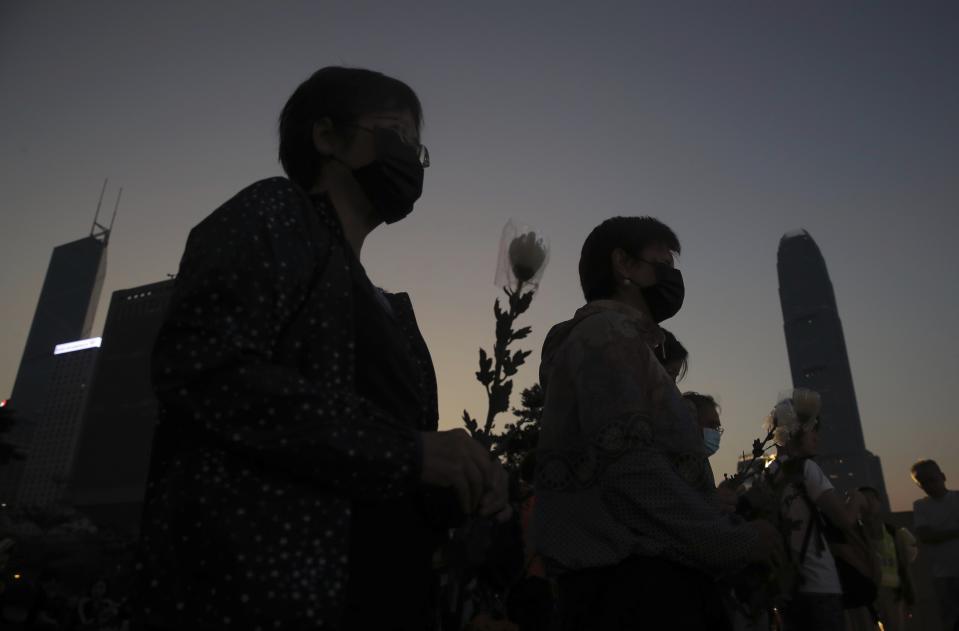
[98, 230]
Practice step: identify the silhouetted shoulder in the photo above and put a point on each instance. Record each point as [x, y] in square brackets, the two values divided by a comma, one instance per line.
[269, 215]
[274, 199]
[607, 326]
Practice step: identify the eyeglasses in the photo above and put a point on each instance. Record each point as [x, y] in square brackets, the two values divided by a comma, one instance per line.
[422, 153]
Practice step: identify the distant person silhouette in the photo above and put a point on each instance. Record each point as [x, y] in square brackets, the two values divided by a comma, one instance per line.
[299, 480]
[935, 519]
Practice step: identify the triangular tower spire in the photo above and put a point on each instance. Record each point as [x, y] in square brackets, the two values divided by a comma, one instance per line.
[98, 230]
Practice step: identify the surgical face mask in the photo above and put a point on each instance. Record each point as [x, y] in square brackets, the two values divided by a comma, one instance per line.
[665, 298]
[711, 437]
[394, 180]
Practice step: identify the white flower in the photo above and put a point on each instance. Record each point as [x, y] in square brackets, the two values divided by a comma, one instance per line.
[795, 411]
[523, 255]
[527, 253]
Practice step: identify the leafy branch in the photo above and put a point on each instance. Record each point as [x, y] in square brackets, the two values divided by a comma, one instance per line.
[755, 465]
[523, 257]
[496, 371]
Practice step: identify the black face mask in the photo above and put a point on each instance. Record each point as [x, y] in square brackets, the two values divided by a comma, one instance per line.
[665, 298]
[394, 180]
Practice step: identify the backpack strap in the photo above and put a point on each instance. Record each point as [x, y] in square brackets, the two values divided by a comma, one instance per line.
[810, 526]
[794, 470]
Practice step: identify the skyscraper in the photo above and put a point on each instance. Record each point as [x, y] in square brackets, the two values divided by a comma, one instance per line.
[65, 312]
[58, 424]
[110, 471]
[818, 360]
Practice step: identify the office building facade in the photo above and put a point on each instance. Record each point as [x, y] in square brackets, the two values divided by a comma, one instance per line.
[64, 313]
[47, 467]
[818, 360]
[113, 455]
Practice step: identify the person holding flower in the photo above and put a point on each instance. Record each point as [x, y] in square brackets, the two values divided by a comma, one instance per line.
[626, 516]
[298, 477]
[807, 493]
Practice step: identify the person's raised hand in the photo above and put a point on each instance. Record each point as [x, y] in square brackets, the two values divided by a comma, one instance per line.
[454, 459]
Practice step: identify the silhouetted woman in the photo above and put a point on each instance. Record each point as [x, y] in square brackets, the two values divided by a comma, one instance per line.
[296, 471]
[626, 513]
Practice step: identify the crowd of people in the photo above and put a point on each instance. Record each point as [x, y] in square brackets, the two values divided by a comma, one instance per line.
[300, 479]
[629, 520]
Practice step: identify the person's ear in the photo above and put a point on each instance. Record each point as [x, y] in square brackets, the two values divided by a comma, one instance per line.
[325, 140]
[621, 262]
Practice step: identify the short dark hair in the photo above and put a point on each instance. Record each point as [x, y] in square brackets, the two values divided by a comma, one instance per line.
[923, 464]
[672, 350]
[701, 401]
[342, 95]
[630, 234]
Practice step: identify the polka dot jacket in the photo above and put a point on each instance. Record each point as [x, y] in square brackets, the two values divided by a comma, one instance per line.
[263, 444]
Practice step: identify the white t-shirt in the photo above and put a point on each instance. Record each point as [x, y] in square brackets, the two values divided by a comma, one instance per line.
[818, 571]
[940, 514]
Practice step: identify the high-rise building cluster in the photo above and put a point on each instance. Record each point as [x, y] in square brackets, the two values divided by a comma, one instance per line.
[84, 408]
[86, 415]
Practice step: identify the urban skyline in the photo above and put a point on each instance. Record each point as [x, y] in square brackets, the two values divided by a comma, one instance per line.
[732, 124]
[111, 485]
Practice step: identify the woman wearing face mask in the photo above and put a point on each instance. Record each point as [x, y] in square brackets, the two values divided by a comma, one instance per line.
[626, 516]
[298, 479]
[706, 412]
[707, 415]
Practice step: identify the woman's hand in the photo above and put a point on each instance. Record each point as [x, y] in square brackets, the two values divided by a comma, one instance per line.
[454, 459]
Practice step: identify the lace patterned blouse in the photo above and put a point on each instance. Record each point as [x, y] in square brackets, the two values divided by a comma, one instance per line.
[621, 466]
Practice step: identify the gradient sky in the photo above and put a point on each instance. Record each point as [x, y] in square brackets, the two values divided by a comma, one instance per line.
[732, 122]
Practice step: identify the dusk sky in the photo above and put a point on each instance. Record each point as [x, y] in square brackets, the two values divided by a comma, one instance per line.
[732, 122]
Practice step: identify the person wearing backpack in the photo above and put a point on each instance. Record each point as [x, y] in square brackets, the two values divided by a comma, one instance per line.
[808, 500]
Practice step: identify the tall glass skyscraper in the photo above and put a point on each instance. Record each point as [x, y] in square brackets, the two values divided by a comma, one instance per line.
[46, 472]
[818, 360]
[65, 312]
